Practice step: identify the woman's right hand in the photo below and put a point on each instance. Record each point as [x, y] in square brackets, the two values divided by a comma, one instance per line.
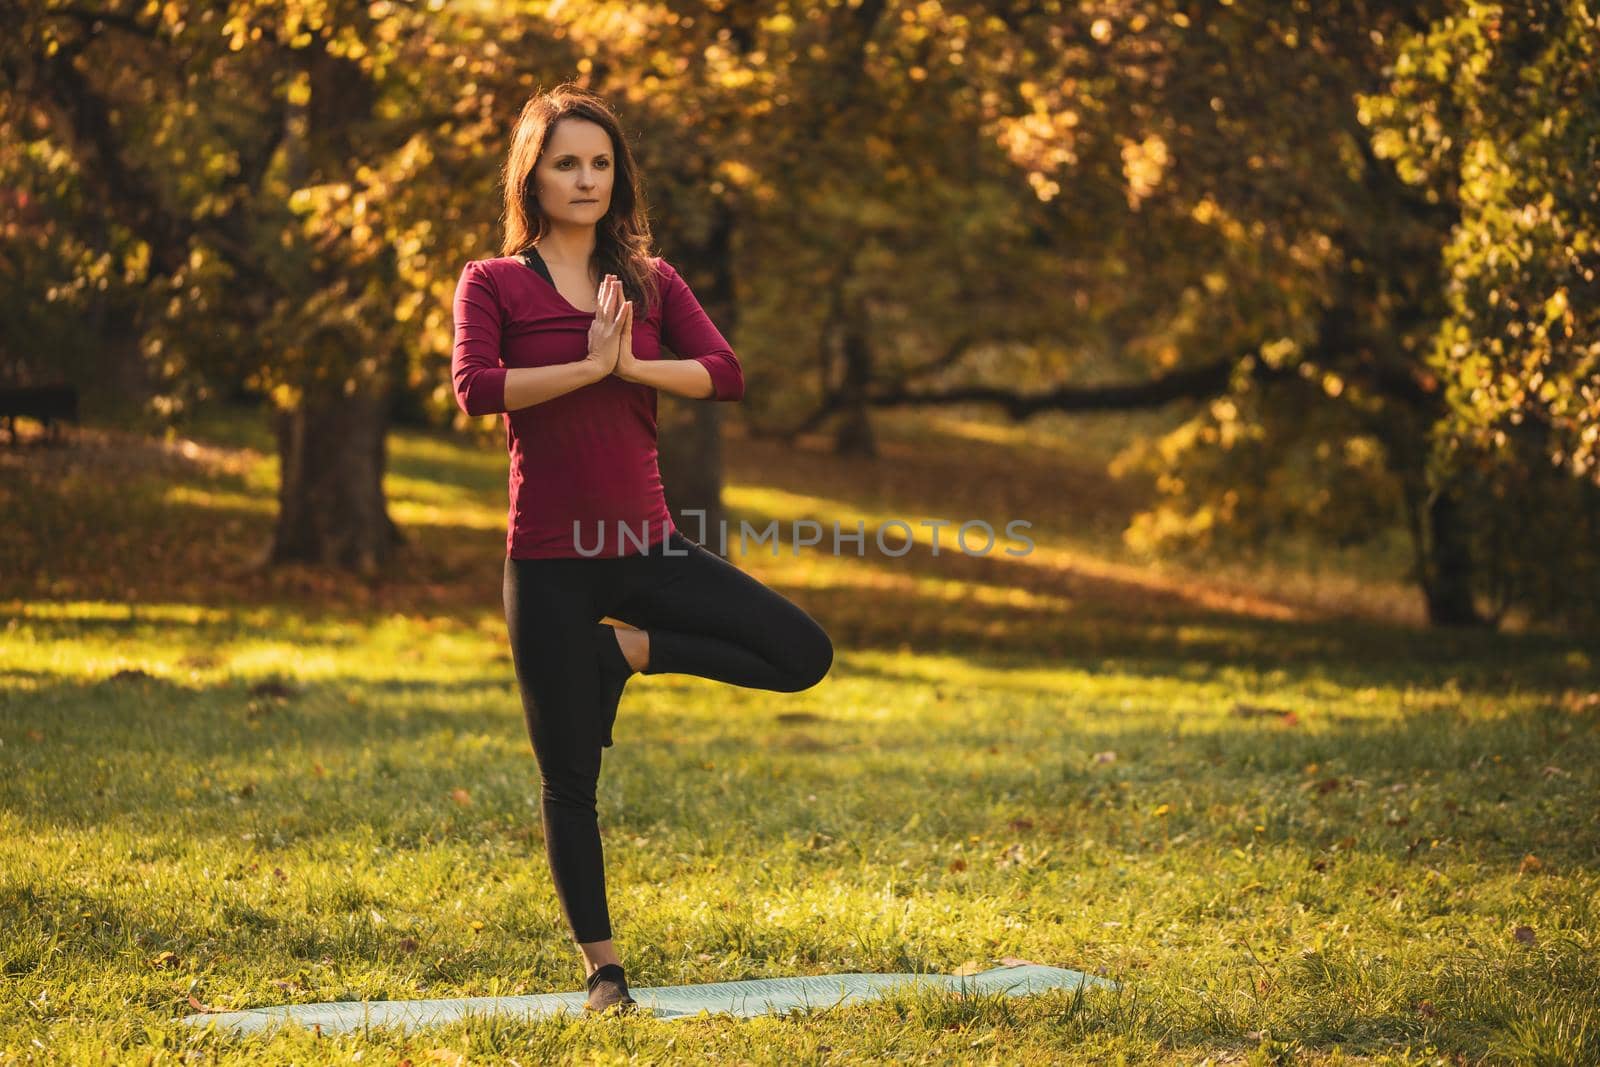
[605, 333]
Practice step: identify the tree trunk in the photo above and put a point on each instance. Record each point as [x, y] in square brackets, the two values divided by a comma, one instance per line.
[689, 432]
[1447, 578]
[331, 447]
[691, 469]
[853, 433]
[331, 508]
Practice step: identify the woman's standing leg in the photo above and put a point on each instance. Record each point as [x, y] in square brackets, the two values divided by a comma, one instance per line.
[551, 619]
[704, 616]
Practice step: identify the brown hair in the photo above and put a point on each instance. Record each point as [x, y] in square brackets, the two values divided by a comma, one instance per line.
[622, 239]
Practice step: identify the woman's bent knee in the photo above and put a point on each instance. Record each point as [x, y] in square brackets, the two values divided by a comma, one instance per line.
[811, 659]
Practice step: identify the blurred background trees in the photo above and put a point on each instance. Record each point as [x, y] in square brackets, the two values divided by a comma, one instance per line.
[1355, 249]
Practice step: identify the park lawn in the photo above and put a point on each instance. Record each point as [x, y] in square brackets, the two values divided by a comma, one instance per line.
[1294, 824]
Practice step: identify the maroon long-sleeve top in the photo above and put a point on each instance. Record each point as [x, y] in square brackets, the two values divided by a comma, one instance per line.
[584, 479]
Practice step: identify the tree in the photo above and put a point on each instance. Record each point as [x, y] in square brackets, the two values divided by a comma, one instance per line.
[1492, 107]
[1212, 214]
[1273, 265]
[260, 174]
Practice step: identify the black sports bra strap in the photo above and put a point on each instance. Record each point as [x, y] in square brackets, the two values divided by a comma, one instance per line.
[531, 257]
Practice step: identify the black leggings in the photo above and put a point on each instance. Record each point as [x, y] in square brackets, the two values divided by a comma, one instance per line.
[704, 616]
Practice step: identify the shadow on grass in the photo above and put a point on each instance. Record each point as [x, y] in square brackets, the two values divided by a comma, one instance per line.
[83, 755]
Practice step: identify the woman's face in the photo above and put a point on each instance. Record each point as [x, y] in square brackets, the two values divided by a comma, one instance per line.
[573, 177]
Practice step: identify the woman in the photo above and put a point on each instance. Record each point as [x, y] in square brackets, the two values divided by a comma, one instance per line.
[564, 335]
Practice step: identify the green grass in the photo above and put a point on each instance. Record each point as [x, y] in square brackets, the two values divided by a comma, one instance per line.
[1296, 827]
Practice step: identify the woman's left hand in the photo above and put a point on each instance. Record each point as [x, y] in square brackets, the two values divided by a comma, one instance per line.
[625, 361]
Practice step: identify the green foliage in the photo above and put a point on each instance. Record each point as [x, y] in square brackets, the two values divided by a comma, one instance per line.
[1247, 470]
[1493, 107]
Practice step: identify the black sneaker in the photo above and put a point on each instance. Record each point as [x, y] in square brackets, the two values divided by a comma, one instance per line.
[608, 987]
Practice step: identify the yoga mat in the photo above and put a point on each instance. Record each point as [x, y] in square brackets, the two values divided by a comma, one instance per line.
[756, 996]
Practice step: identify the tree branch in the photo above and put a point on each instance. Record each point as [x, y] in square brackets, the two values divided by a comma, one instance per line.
[126, 23]
[1190, 384]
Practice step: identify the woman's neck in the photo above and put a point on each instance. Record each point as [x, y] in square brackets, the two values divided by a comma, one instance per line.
[568, 248]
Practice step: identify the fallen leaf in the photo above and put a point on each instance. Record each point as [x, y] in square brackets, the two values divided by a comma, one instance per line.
[462, 797]
[1524, 934]
[1530, 864]
[197, 1006]
[1012, 856]
[958, 865]
[164, 960]
[1105, 757]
